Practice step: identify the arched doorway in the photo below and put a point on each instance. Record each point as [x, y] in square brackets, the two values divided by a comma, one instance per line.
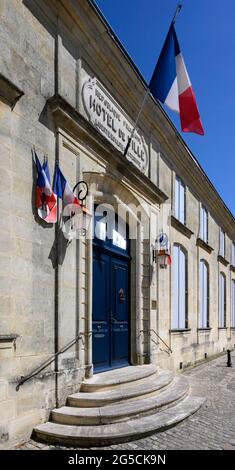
[111, 296]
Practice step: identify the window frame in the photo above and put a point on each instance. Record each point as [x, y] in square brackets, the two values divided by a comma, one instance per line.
[233, 254]
[222, 305]
[201, 315]
[173, 320]
[222, 252]
[179, 184]
[204, 231]
[233, 304]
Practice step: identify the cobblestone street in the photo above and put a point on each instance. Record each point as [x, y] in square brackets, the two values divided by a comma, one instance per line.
[212, 427]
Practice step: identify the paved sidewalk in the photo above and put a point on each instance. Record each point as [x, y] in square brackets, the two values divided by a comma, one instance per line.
[212, 427]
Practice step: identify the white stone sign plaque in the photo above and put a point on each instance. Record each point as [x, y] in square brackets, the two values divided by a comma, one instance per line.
[112, 122]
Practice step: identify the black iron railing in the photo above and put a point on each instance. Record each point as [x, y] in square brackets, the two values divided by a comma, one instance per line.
[48, 361]
[151, 330]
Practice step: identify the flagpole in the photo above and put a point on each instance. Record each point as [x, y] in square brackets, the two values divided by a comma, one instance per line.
[136, 122]
[177, 11]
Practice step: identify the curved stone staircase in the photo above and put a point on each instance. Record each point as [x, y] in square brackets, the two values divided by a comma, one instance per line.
[119, 406]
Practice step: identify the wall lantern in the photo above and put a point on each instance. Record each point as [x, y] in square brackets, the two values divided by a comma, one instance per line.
[161, 251]
[78, 216]
[84, 217]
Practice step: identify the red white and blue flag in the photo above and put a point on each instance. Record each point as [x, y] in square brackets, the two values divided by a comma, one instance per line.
[62, 189]
[46, 202]
[171, 85]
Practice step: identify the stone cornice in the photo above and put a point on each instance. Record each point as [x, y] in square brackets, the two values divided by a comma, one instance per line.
[66, 117]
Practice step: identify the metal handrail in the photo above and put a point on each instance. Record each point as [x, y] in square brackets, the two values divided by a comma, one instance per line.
[48, 361]
[168, 347]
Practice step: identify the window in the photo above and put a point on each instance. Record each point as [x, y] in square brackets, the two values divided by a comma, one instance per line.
[180, 289]
[204, 295]
[222, 243]
[180, 201]
[233, 254]
[233, 305]
[204, 224]
[222, 300]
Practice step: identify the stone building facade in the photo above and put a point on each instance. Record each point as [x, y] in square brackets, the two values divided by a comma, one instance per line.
[69, 90]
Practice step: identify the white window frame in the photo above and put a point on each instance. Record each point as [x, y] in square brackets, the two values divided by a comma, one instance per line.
[222, 300]
[180, 200]
[233, 254]
[233, 303]
[180, 288]
[222, 243]
[204, 294]
[203, 224]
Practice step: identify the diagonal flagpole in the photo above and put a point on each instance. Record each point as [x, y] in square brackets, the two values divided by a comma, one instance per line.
[177, 11]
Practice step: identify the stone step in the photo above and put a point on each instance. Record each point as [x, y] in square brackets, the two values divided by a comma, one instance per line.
[117, 432]
[124, 410]
[118, 377]
[120, 393]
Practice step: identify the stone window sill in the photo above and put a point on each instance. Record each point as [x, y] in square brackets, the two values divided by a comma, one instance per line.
[181, 227]
[222, 327]
[204, 245]
[8, 338]
[204, 329]
[222, 260]
[180, 330]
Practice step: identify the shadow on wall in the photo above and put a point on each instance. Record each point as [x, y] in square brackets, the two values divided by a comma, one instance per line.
[59, 247]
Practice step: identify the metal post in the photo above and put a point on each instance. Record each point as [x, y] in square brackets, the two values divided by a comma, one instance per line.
[229, 361]
[178, 8]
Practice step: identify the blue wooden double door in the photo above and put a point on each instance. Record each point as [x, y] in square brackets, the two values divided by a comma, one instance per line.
[110, 325]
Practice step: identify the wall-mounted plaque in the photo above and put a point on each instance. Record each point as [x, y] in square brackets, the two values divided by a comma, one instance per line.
[112, 122]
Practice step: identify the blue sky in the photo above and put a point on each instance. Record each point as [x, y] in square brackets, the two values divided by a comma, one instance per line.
[206, 33]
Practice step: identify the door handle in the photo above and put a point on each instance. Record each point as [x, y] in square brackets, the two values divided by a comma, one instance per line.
[113, 320]
[121, 296]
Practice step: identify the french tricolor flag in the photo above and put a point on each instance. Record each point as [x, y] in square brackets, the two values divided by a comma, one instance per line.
[63, 190]
[46, 202]
[171, 85]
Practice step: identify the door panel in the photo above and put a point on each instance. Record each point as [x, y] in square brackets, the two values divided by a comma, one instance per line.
[120, 311]
[110, 324]
[101, 309]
